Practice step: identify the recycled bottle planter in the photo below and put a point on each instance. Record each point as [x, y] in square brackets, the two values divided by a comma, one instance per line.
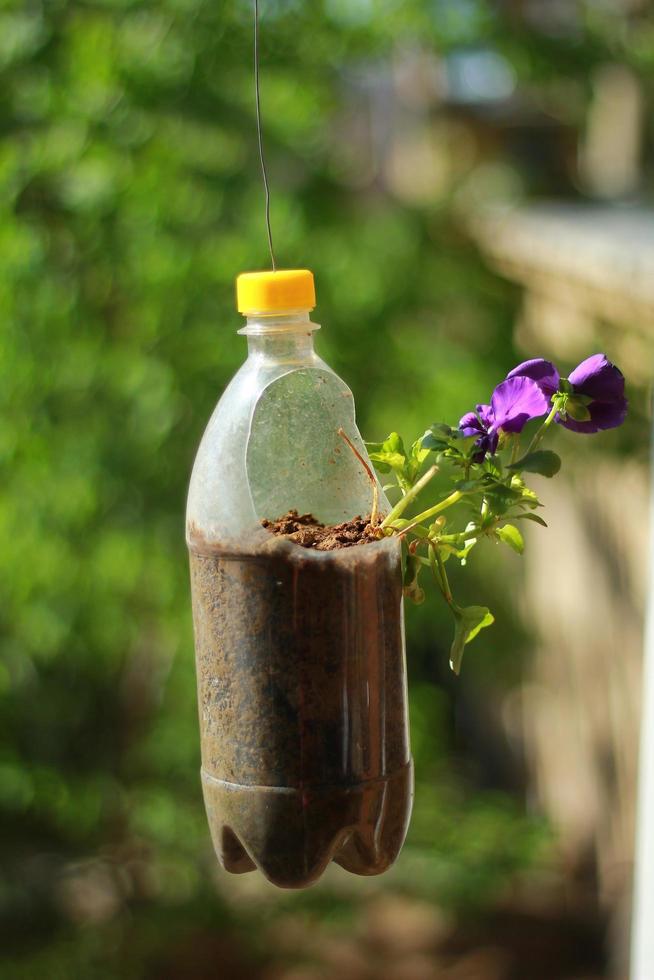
[300, 654]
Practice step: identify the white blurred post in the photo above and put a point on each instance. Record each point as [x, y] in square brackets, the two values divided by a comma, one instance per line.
[642, 949]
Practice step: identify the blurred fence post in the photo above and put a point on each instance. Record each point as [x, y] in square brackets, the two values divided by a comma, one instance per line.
[587, 271]
[642, 951]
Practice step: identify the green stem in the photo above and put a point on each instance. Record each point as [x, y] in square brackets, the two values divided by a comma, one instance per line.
[437, 559]
[410, 495]
[459, 537]
[538, 435]
[516, 448]
[408, 530]
[437, 508]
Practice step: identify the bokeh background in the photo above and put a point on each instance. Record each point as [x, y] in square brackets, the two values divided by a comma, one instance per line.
[469, 181]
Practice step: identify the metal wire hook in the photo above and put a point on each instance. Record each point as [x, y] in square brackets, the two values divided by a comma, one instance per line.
[259, 134]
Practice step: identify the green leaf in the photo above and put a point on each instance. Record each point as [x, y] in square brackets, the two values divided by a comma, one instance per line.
[433, 443]
[380, 466]
[439, 437]
[529, 498]
[387, 461]
[524, 494]
[438, 431]
[391, 444]
[389, 455]
[418, 452]
[531, 517]
[543, 461]
[470, 620]
[577, 408]
[510, 535]
[462, 555]
[493, 466]
[500, 498]
[414, 464]
[411, 589]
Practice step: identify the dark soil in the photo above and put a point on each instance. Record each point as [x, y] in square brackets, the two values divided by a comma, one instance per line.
[306, 530]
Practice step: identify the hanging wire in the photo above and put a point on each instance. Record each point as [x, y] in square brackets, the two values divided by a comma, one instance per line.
[264, 172]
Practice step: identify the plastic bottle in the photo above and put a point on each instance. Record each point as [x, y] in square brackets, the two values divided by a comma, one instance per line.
[300, 654]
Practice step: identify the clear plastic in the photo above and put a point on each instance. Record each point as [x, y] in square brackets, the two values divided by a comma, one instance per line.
[300, 654]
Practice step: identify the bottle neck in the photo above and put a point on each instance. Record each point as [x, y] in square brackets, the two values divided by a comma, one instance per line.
[286, 336]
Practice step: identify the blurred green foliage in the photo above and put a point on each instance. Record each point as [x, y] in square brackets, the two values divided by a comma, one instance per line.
[129, 199]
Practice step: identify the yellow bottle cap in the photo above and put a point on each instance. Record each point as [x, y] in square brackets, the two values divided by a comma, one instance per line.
[274, 292]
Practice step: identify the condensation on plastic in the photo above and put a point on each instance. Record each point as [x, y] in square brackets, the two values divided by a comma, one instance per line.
[300, 654]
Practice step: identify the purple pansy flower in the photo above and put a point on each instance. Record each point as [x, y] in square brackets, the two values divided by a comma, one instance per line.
[480, 424]
[514, 403]
[598, 383]
[596, 378]
[542, 372]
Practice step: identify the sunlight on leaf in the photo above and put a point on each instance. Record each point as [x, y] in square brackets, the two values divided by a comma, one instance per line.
[511, 535]
[470, 620]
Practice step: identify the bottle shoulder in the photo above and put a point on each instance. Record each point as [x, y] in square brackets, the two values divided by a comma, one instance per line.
[255, 375]
[272, 445]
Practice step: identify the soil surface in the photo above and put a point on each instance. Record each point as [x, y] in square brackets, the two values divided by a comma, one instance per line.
[306, 530]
